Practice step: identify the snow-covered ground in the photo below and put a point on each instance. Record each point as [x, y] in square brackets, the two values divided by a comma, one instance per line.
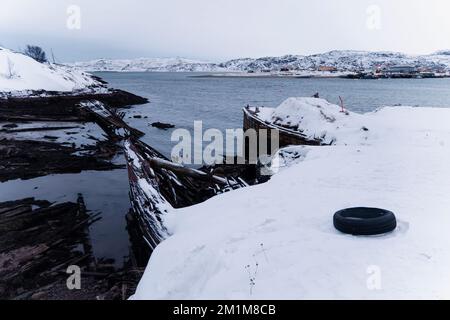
[20, 74]
[277, 240]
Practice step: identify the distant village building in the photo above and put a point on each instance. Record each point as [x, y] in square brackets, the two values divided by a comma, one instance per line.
[327, 68]
[284, 69]
[425, 69]
[378, 69]
[401, 70]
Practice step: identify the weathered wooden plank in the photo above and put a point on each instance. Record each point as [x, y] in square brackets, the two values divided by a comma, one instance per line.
[110, 120]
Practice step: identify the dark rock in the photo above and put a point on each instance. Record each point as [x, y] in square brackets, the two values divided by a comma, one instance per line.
[10, 126]
[39, 296]
[161, 125]
[50, 137]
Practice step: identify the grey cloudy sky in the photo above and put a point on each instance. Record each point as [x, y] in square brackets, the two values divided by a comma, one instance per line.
[217, 30]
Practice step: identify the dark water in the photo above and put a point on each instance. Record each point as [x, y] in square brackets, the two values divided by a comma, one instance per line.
[180, 99]
[103, 191]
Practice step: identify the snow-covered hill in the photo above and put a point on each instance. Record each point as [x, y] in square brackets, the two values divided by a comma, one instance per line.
[19, 73]
[346, 60]
[147, 65]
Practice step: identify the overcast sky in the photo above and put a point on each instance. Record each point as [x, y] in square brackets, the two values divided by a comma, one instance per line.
[218, 30]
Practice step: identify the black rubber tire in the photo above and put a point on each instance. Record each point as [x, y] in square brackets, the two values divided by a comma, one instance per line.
[364, 221]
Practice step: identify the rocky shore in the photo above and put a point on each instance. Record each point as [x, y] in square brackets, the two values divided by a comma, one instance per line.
[61, 106]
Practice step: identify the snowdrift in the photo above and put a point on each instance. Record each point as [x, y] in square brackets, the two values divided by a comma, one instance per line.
[318, 118]
[20, 73]
[277, 241]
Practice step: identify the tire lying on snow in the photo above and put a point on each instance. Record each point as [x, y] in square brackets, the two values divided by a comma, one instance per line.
[364, 221]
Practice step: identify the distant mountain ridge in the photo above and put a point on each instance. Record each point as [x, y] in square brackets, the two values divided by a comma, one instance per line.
[342, 60]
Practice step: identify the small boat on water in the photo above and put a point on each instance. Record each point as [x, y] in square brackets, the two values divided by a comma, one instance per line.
[287, 136]
[158, 185]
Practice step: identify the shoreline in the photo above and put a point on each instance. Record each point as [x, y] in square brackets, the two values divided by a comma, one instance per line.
[262, 75]
[349, 76]
[61, 106]
[113, 97]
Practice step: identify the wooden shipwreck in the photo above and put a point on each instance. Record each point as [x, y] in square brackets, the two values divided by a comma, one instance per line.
[158, 185]
[287, 136]
[109, 119]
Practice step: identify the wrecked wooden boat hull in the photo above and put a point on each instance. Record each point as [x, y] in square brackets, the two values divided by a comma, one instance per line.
[287, 136]
[146, 200]
[109, 119]
[158, 185]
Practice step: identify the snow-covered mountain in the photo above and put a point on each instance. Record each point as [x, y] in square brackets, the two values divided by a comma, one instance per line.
[147, 64]
[342, 60]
